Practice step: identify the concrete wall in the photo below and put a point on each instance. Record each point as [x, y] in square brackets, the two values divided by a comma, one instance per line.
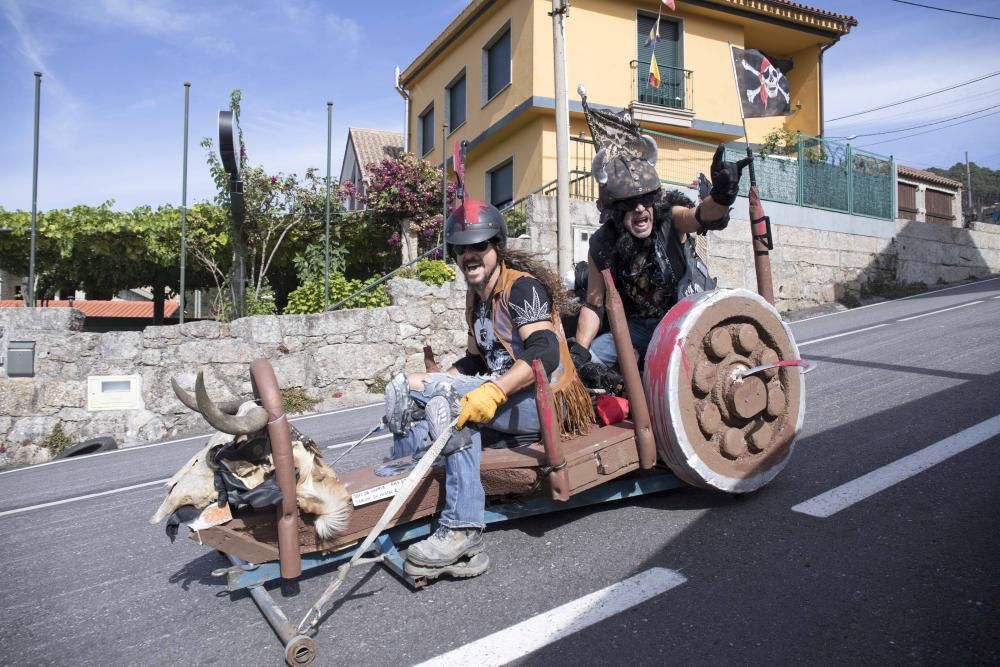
[334, 357]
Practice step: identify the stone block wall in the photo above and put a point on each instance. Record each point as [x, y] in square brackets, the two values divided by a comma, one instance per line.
[334, 357]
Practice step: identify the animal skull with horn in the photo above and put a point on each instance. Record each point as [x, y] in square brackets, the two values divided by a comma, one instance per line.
[242, 433]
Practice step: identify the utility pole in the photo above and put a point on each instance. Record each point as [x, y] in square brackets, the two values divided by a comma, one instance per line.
[184, 195]
[326, 260]
[34, 197]
[444, 191]
[560, 10]
[968, 180]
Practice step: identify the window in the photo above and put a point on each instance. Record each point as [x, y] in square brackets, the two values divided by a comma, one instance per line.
[496, 64]
[455, 99]
[426, 129]
[500, 184]
[670, 93]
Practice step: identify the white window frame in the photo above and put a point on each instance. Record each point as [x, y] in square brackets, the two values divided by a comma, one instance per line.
[485, 63]
[447, 99]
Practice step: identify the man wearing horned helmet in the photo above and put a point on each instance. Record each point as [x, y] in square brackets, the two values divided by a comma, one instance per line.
[643, 234]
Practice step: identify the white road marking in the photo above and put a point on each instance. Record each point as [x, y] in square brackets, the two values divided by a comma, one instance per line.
[175, 441]
[89, 495]
[841, 335]
[935, 312]
[519, 640]
[845, 495]
[904, 298]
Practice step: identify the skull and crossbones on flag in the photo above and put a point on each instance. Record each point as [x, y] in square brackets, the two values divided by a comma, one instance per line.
[763, 86]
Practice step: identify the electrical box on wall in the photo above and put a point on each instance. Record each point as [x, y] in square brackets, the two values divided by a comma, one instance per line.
[21, 359]
[114, 392]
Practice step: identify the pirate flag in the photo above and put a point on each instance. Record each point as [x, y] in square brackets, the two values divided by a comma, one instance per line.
[761, 83]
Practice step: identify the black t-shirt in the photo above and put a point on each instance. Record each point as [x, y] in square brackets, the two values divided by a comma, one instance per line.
[529, 303]
[647, 283]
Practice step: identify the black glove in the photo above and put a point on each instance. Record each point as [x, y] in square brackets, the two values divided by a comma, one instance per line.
[726, 177]
[578, 353]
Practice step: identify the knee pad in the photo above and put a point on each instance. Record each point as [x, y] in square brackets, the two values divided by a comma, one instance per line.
[399, 406]
[439, 412]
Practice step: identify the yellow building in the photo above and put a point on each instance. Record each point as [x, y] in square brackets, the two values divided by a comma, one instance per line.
[489, 76]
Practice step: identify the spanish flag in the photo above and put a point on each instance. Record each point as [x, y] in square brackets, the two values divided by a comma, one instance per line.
[654, 73]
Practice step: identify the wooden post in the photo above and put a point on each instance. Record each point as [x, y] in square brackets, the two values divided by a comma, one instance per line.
[554, 458]
[266, 384]
[630, 371]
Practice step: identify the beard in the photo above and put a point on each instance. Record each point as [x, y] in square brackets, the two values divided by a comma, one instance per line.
[631, 253]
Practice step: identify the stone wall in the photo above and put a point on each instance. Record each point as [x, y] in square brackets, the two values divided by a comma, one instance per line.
[337, 358]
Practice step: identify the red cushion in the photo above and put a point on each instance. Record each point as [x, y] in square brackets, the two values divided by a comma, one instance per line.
[611, 409]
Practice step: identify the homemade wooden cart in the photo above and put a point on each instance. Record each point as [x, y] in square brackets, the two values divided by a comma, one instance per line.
[718, 406]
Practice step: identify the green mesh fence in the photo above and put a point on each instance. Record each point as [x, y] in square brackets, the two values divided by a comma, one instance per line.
[871, 185]
[825, 174]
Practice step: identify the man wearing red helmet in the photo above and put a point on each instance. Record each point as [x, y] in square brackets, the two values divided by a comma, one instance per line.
[512, 314]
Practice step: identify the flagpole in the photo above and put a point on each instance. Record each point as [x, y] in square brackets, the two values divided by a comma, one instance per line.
[760, 224]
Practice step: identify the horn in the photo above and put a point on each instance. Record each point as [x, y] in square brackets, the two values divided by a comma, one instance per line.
[651, 149]
[253, 421]
[229, 407]
[598, 166]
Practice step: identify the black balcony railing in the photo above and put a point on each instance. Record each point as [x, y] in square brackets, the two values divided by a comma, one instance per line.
[676, 89]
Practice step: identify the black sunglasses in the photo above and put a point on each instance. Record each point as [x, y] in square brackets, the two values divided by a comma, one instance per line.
[461, 248]
[631, 203]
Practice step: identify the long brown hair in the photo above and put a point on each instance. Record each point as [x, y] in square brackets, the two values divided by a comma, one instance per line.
[533, 264]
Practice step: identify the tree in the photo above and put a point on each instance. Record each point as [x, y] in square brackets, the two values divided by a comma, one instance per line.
[282, 215]
[99, 250]
[404, 195]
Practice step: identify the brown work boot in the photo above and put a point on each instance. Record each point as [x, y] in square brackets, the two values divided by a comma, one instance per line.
[446, 546]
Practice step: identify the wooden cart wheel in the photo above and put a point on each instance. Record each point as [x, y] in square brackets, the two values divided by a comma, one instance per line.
[714, 427]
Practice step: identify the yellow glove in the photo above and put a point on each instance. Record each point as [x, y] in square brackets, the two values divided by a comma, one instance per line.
[480, 404]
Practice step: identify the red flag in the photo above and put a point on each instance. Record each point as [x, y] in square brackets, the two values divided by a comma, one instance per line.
[670, 5]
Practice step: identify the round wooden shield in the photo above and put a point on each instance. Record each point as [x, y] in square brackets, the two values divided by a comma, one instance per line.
[716, 426]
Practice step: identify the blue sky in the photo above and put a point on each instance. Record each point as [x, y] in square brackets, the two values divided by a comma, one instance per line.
[112, 91]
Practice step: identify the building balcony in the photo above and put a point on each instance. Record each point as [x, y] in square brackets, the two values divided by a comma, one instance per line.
[671, 103]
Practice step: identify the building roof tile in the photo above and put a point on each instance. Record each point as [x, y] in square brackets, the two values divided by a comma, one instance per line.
[375, 146]
[927, 176]
[94, 308]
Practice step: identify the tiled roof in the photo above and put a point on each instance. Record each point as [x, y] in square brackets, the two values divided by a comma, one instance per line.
[103, 308]
[927, 176]
[816, 11]
[375, 146]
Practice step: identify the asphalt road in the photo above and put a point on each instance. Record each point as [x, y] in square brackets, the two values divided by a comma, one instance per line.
[905, 573]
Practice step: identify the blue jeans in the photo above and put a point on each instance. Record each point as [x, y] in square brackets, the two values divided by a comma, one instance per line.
[465, 500]
[640, 330]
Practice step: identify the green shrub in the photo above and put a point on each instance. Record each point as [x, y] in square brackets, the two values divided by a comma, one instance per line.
[517, 222]
[308, 298]
[295, 400]
[434, 272]
[57, 440]
[262, 303]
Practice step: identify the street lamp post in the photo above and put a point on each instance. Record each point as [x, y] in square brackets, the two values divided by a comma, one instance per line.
[326, 260]
[34, 197]
[184, 195]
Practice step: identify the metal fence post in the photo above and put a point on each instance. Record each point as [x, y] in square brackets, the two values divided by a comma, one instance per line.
[800, 163]
[850, 180]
